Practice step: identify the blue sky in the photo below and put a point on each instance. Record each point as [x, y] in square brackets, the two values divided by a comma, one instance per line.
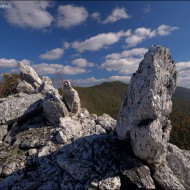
[92, 42]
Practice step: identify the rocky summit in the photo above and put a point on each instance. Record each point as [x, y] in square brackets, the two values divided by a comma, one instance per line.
[48, 142]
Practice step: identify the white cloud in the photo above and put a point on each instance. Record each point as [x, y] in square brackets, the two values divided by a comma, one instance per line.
[147, 9]
[71, 15]
[117, 14]
[125, 62]
[53, 54]
[11, 63]
[183, 66]
[81, 62]
[92, 80]
[164, 30]
[183, 78]
[32, 14]
[96, 16]
[44, 68]
[141, 34]
[99, 41]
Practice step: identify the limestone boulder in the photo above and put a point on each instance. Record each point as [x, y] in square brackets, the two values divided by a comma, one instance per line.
[25, 87]
[19, 106]
[71, 98]
[54, 108]
[29, 75]
[143, 116]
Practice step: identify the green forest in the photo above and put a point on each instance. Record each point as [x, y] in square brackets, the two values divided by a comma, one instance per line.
[107, 98]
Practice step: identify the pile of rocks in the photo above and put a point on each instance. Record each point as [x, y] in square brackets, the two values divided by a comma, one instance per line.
[50, 142]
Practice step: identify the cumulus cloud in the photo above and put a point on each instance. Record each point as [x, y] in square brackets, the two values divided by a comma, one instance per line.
[32, 14]
[183, 78]
[11, 63]
[81, 62]
[141, 34]
[53, 54]
[45, 68]
[125, 62]
[96, 16]
[99, 41]
[117, 14]
[92, 80]
[71, 15]
[164, 30]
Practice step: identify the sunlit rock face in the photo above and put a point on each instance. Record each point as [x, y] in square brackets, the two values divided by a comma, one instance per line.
[143, 116]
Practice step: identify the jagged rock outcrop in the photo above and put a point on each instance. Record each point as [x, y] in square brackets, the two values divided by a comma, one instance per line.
[3, 131]
[107, 122]
[54, 108]
[144, 113]
[71, 98]
[29, 75]
[47, 86]
[79, 150]
[25, 87]
[19, 106]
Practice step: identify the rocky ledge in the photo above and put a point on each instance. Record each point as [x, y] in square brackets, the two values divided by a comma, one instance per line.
[50, 142]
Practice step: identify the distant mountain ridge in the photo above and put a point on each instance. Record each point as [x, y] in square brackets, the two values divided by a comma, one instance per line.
[107, 98]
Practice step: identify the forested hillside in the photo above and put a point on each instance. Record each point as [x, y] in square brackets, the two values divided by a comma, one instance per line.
[107, 98]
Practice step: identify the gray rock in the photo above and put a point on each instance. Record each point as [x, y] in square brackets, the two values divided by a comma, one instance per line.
[8, 168]
[61, 138]
[47, 86]
[29, 75]
[25, 87]
[49, 185]
[179, 162]
[147, 105]
[54, 108]
[166, 178]
[11, 134]
[19, 106]
[110, 183]
[133, 170]
[11, 180]
[107, 122]
[3, 131]
[71, 129]
[71, 97]
[78, 169]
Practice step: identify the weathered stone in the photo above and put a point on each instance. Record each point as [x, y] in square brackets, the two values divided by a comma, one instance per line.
[179, 162]
[11, 180]
[29, 75]
[61, 138]
[147, 105]
[111, 183]
[78, 169]
[49, 185]
[8, 169]
[20, 106]
[107, 122]
[71, 97]
[54, 108]
[25, 87]
[47, 86]
[71, 129]
[134, 171]
[166, 178]
[11, 134]
[3, 131]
